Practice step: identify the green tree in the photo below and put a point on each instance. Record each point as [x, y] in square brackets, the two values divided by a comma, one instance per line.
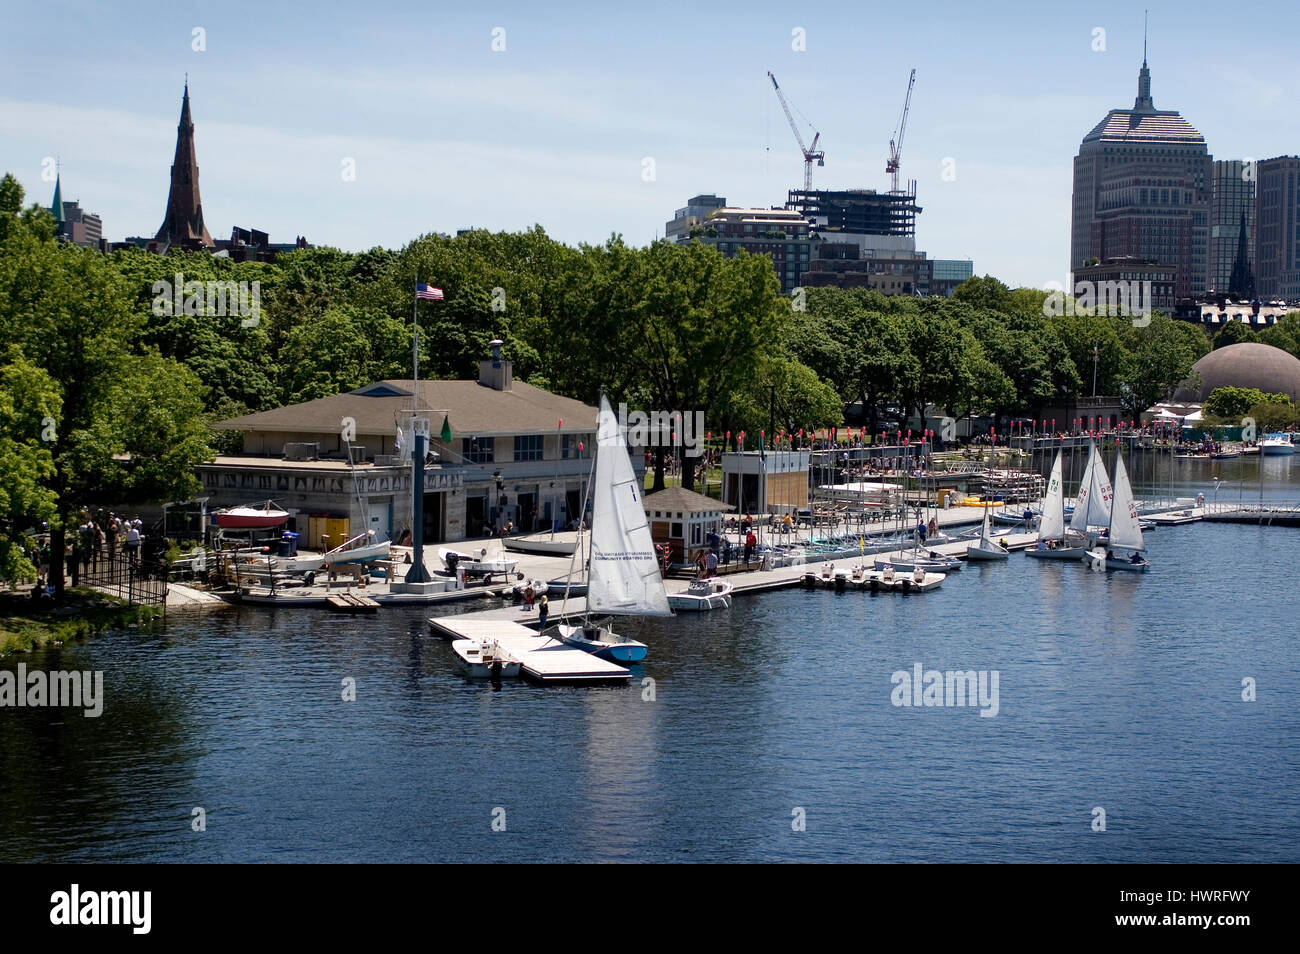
[1162, 358]
[130, 424]
[1231, 403]
[29, 401]
[1234, 332]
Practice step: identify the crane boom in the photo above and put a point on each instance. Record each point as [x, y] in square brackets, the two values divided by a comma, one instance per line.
[810, 153]
[896, 141]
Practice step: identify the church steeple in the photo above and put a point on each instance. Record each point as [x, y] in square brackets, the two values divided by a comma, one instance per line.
[183, 222]
[56, 205]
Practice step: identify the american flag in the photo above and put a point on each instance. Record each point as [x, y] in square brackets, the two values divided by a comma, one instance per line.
[427, 292]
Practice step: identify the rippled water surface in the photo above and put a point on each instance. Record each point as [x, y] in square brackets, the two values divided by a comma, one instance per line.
[1116, 691]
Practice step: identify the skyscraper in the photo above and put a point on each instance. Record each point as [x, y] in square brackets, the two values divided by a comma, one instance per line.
[1142, 190]
[183, 223]
[1232, 197]
[1277, 228]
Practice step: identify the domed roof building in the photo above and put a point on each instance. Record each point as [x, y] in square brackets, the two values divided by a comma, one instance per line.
[1244, 365]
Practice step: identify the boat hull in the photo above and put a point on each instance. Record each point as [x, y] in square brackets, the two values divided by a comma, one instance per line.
[1278, 450]
[1099, 561]
[698, 604]
[469, 660]
[979, 554]
[539, 546]
[622, 650]
[367, 554]
[1060, 553]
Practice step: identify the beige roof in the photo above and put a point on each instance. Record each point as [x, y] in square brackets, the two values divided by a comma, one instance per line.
[1128, 125]
[686, 501]
[471, 409]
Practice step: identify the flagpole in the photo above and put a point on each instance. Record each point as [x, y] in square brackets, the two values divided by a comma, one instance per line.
[415, 345]
[417, 573]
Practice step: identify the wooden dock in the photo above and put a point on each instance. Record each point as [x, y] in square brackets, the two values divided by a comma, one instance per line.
[351, 603]
[542, 659]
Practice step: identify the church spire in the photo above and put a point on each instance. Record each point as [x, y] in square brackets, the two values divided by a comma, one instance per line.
[183, 222]
[56, 205]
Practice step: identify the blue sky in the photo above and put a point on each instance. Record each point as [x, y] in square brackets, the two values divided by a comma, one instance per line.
[447, 133]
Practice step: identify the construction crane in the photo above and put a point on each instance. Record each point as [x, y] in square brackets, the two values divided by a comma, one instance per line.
[809, 152]
[896, 141]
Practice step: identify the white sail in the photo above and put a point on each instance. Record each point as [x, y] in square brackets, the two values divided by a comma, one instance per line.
[984, 533]
[1125, 528]
[1079, 519]
[624, 578]
[1092, 506]
[1052, 524]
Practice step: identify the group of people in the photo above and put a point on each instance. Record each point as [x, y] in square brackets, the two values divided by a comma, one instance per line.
[98, 537]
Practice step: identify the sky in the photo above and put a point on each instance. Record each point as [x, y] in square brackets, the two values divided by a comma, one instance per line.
[591, 119]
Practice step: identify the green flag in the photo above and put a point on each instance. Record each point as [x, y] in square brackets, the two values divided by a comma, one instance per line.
[446, 430]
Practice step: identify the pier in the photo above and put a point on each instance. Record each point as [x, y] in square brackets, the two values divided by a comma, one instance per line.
[542, 659]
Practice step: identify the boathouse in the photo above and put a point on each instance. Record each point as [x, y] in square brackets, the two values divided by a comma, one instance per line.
[509, 452]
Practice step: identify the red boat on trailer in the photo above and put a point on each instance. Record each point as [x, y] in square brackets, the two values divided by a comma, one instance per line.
[260, 517]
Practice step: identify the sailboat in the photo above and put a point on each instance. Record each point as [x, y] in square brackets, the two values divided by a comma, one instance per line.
[986, 549]
[1092, 507]
[1051, 526]
[623, 578]
[1125, 529]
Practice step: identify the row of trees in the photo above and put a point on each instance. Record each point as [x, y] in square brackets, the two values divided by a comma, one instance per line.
[131, 383]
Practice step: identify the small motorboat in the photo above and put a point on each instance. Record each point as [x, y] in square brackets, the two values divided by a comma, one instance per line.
[477, 563]
[260, 517]
[1276, 445]
[485, 659]
[702, 595]
[519, 592]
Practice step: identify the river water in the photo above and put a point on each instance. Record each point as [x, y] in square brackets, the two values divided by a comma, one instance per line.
[1116, 692]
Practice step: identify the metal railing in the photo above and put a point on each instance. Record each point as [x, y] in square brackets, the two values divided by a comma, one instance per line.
[134, 580]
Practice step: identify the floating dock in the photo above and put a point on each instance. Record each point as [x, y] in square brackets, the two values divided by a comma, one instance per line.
[542, 659]
[351, 603]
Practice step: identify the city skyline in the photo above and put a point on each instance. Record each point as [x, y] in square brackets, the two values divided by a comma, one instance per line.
[555, 128]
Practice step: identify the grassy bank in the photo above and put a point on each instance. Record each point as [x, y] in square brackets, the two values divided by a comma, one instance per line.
[24, 626]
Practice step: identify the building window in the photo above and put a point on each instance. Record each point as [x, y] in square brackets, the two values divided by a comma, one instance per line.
[569, 446]
[477, 450]
[528, 447]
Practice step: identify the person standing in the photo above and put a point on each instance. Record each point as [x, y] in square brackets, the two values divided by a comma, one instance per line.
[543, 610]
[133, 543]
[750, 543]
[711, 565]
